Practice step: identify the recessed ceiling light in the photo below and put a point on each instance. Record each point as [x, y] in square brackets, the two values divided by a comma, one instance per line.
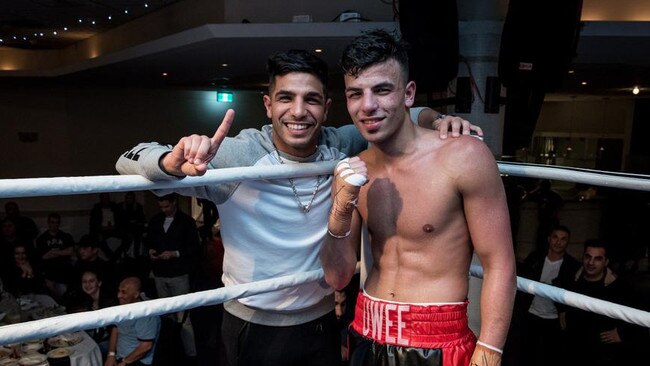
[318, 50]
[636, 90]
[583, 83]
[164, 74]
[571, 71]
[224, 65]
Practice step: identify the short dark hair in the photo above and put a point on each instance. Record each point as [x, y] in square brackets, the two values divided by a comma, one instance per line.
[374, 47]
[596, 243]
[54, 216]
[168, 197]
[297, 61]
[559, 228]
[88, 240]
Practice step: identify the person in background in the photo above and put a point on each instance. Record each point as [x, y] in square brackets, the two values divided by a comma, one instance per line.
[594, 339]
[97, 298]
[55, 249]
[132, 342]
[536, 332]
[88, 260]
[132, 214]
[173, 242]
[106, 224]
[25, 227]
[23, 276]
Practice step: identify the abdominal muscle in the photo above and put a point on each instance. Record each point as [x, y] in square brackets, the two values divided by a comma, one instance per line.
[430, 271]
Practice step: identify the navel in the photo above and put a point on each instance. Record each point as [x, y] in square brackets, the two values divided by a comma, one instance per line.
[428, 228]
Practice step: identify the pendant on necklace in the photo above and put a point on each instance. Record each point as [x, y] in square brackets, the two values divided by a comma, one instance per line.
[307, 207]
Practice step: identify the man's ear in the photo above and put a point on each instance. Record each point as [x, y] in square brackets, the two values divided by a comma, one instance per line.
[267, 105]
[409, 94]
[328, 104]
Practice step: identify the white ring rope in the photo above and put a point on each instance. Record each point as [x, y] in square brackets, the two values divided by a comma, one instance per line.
[576, 300]
[33, 187]
[577, 175]
[49, 327]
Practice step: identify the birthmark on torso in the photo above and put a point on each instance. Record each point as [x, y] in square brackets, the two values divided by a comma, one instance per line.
[428, 228]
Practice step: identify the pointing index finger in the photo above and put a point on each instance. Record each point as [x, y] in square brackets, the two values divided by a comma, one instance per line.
[224, 127]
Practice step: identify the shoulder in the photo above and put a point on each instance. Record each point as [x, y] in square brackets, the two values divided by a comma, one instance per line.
[462, 156]
[148, 323]
[245, 149]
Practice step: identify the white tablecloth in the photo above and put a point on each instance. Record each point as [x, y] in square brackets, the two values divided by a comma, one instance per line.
[86, 352]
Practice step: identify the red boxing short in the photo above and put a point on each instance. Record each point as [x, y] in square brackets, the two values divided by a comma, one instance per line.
[411, 326]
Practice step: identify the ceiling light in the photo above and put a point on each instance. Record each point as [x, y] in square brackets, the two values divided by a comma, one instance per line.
[126, 11]
[65, 28]
[54, 33]
[110, 17]
[636, 90]
[164, 74]
[583, 83]
[571, 71]
[318, 50]
[224, 65]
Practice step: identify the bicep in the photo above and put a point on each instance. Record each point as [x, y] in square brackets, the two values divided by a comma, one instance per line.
[486, 211]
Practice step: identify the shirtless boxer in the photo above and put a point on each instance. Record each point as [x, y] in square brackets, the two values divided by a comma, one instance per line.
[427, 204]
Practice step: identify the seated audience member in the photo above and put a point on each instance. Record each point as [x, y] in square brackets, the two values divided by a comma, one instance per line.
[97, 298]
[25, 227]
[132, 342]
[54, 249]
[9, 238]
[23, 275]
[88, 260]
[594, 339]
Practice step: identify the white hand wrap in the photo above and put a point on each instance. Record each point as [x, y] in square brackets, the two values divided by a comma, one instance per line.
[344, 171]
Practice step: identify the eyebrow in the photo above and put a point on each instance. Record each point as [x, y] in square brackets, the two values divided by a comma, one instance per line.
[311, 94]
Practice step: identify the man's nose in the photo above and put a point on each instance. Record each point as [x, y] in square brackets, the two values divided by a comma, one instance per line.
[369, 102]
[298, 109]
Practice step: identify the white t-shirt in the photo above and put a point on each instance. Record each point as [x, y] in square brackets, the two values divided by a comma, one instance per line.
[541, 306]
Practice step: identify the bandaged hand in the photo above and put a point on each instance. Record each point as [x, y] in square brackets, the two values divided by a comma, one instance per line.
[349, 175]
[352, 171]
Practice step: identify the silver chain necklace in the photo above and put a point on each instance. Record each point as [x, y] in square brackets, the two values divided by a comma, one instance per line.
[307, 207]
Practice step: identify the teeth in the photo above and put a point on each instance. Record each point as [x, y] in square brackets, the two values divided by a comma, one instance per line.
[294, 126]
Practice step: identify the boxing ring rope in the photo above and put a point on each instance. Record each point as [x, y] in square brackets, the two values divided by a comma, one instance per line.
[34, 187]
[82, 185]
[49, 327]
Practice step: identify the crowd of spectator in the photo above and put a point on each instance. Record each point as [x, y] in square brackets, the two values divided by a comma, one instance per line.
[156, 256]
